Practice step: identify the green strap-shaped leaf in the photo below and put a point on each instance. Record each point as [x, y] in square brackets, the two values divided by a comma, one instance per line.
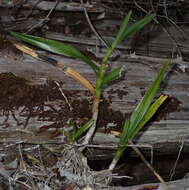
[120, 35]
[146, 101]
[112, 75]
[55, 47]
[129, 133]
[123, 140]
[149, 114]
[142, 113]
[81, 130]
[126, 31]
[137, 26]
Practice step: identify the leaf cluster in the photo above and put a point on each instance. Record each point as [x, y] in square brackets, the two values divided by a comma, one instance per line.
[144, 110]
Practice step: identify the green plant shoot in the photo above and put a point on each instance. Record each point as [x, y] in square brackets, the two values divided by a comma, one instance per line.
[102, 76]
[80, 131]
[73, 136]
[55, 47]
[124, 32]
[142, 114]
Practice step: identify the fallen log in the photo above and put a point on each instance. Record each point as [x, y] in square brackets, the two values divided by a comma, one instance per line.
[173, 185]
[164, 135]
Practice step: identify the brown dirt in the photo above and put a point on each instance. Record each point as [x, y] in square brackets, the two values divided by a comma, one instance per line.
[17, 92]
[109, 116]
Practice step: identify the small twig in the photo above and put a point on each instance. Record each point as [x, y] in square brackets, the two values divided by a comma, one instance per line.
[180, 30]
[113, 146]
[138, 152]
[43, 20]
[152, 155]
[31, 148]
[176, 162]
[147, 163]
[106, 44]
[32, 8]
[182, 65]
[120, 177]
[24, 184]
[165, 7]
[92, 27]
[21, 159]
[13, 144]
[62, 93]
[165, 29]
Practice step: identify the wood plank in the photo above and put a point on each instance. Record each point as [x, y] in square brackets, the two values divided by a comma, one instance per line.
[182, 184]
[165, 134]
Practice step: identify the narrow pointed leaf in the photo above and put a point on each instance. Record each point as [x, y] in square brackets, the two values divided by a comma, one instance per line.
[123, 141]
[81, 130]
[124, 133]
[120, 35]
[150, 113]
[126, 31]
[142, 113]
[55, 47]
[129, 132]
[112, 75]
[137, 26]
[146, 101]
[118, 39]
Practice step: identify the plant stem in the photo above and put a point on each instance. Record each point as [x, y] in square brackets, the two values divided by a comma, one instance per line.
[113, 164]
[138, 152]
[98, 94]
[95, 111]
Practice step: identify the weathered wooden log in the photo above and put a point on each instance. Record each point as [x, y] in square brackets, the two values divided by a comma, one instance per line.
[38, 99]
[164, 135]
[48, 5]
[174, 185]
[147, 44]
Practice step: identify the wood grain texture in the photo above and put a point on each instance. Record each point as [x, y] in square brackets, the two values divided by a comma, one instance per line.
[164, 134]
[174, 185]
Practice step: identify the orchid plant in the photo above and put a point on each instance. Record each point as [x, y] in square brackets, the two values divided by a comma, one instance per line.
[144, 110]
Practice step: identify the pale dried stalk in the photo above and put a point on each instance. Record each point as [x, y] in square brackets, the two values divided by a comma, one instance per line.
[147, 163]
[114, 163]
[67, 70]
[95, 111]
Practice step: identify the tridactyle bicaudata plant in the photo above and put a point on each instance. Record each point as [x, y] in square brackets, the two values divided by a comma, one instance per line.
[143, 111]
